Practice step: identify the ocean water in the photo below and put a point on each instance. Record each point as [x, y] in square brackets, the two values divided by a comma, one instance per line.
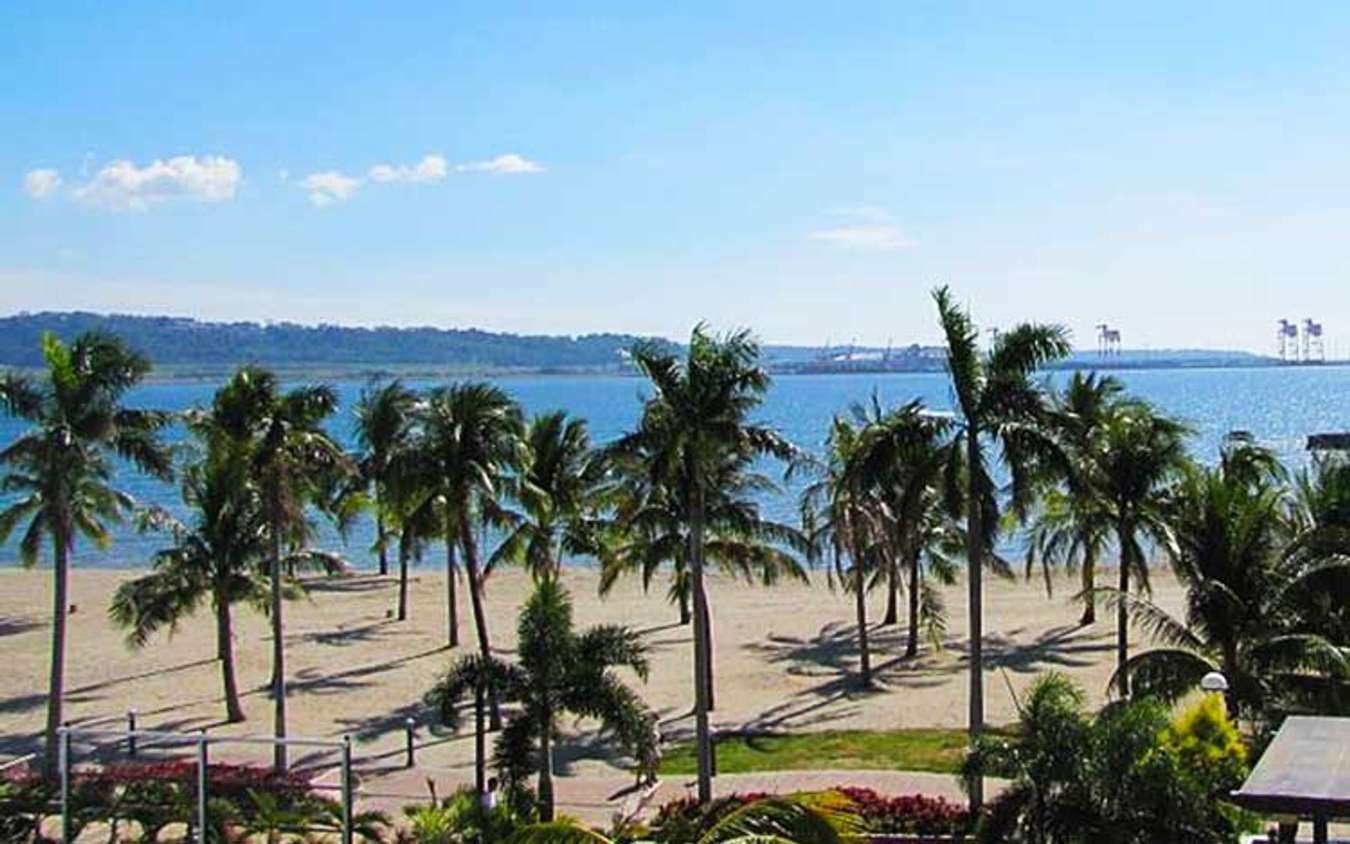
[1280, 406]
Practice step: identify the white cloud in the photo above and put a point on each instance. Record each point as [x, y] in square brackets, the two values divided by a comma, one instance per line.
[329, 186]
[506, 163]
[122, 186]
[41, 184]
[864, 237]
[431, 168]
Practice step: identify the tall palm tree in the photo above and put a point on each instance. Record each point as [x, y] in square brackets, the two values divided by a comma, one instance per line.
[470, 439]
[560, 493]
[413, 514]
[695, 423]
[59, 472]
[996, 403]
[559, 671]
[842, 515]
[1257, 609]
[384, 424]
[216, 558]
[1068, 531]
[294, 463]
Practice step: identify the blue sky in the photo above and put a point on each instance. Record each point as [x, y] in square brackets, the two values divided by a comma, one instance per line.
[811, 170]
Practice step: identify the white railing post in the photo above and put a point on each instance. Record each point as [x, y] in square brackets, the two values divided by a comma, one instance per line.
[202, 762]
[63, 760]
[346, 790]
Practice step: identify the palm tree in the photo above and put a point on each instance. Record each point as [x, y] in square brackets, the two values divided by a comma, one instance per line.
[59, 472]
[413, 513]
[294, 463]
[902, 453]
[1257, 608]
[996, 401]
[1068, 531]
[215, 558]
[384, 425]
[559, 671]
[842, 516]
[694, 425]
[559, 489]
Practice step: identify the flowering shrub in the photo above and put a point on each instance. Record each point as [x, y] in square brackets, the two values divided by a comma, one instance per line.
[908, 813]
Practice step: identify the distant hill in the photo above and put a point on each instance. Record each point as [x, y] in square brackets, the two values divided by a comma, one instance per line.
[175, 341]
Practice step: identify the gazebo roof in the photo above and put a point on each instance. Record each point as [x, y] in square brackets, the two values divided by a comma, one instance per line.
[1305, 771]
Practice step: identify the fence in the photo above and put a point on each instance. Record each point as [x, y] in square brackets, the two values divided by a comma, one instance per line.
[136, 739]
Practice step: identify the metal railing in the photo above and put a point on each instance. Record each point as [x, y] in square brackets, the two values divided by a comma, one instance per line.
[203, 742]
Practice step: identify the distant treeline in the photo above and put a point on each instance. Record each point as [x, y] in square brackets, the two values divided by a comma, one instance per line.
[177, 341]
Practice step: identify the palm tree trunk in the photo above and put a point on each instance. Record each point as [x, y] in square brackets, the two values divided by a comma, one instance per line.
[685, 618]
[56, 688]
[975, 582]
[381, 535]
[234, 713]
[479, 614]
[702, 738]
[860, 605]
[546, 771]
[912, 647]
[451, 599]
[708, 645]
[479, 743]
[403, 553]
[278, 655]
[892, 592]
[1089, 583]
[1122, 616]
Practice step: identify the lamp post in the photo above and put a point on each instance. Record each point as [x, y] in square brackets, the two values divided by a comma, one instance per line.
[1216, 683]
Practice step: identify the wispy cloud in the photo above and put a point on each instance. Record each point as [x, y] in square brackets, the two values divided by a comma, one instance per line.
[431, 168]
[507, 163]
[41, 184]
[867, 227]
[329, 186]
[123, 186]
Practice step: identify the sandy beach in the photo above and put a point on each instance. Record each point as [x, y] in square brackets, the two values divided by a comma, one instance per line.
[785, 659]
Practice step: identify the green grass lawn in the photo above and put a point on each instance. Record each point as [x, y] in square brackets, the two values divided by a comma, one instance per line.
[935, 750]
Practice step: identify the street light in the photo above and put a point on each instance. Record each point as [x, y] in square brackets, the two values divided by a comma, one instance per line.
[1214, 682]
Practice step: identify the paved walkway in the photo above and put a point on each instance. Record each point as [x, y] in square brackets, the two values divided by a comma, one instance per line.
[597, 799]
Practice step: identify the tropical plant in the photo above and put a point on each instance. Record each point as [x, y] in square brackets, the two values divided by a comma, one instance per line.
[294, 464]
[1253, 610]
[1129, 774]
[385, 414]
[996, 402]
[693, 427]
[462, 819]
[559, 489]
[842, 516]
[58, 473]
[559, 671]
[217, 557]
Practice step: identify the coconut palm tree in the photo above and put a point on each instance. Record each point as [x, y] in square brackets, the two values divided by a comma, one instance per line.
[693, 426]
[58, 473]
[294, 464]
[996, 402]
[1067, 530]
[903, 452]
[1257, 609]
[384, 424]
[216, 558]
[842, 514]
[559, 671]
[413, 515]
[559, 489]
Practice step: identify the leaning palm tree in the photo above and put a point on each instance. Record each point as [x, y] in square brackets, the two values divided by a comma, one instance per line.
[559, 671]
[215, 558]
[843, 516]
[1256, 609]
[559, 487]
[384, 425]
[58, 474]
[996, 402]
[294, 463]
[695, 424]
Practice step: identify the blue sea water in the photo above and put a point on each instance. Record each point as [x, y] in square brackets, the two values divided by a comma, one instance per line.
[1279, 405]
